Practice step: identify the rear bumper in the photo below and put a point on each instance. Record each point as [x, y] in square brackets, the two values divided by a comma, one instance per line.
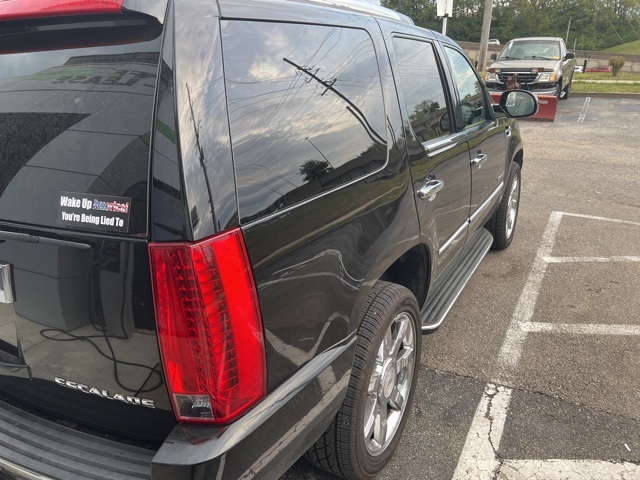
[34, 448]
[272, 436]
[268, 439]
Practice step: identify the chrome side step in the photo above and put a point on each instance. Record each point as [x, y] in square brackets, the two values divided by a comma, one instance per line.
[445, 291]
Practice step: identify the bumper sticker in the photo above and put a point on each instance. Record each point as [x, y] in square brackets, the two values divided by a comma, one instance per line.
[96, 212]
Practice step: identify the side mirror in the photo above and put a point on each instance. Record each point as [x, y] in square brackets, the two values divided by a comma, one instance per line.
[519, 103]
[444, 122]
[493, 56]
[569, 56]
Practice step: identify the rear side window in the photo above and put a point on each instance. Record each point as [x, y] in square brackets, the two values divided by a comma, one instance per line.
[74, 135]
[305, 108]
[422, 88]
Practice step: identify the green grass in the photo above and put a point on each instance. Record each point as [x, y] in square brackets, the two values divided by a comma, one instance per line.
[632, 48]
[583, 87]
[606, 83]
[633, 76]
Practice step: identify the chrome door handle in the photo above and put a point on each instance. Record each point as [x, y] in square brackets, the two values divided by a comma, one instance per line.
[507, 130]
[479, 160]
[430, 189]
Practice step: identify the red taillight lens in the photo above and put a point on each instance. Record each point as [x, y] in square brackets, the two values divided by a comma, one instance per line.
[209, 327]
[19, 9]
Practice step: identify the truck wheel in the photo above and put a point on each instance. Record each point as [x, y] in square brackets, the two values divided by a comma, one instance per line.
[559, 89]
[567, 89]
[503, 223]
[365, 432]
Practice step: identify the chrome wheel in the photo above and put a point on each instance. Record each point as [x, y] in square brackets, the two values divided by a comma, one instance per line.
[367, 428]
[512, 205]
[390, 384]
[503, 223]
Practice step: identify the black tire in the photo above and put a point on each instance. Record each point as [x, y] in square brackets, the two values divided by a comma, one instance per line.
[503, 223]
[567, 89]
[344, 449]
[559, 89]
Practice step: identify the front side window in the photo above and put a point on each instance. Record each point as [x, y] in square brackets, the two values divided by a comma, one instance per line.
[306, 111]
[422, 87]
[472, 110]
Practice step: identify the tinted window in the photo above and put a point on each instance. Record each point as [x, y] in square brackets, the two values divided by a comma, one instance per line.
[305, 109]
[422, 88]
[472, 108]
[75, 125]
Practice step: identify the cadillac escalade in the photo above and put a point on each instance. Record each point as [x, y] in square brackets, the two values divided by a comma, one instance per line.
[224, 227]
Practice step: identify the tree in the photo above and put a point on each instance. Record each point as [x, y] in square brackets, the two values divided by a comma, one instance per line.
[314, 169]
[595, 24]
[616, 64]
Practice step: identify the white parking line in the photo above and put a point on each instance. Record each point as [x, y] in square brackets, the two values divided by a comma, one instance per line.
[590, 259]
[479, 459]
[601, 219]
[511, 350]
[577, 329]
[568, 470]
[585, 107]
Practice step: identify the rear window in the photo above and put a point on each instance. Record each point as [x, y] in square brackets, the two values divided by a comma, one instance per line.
[74, 136]
[305, 108]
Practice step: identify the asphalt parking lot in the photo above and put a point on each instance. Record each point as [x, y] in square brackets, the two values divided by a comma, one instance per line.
[535, 373]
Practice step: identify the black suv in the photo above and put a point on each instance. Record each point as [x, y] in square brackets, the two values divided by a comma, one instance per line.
[224, 227]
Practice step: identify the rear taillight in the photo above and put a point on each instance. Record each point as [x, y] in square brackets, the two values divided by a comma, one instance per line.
[19, 9]
[209, 327]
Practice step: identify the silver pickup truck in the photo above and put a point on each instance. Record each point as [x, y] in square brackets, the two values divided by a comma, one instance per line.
[541, 65]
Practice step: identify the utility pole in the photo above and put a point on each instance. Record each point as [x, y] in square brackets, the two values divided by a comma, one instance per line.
[484, 37]
[444, 9]
[353, 109]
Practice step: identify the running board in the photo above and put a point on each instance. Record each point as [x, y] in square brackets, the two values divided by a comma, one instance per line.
[449, 285]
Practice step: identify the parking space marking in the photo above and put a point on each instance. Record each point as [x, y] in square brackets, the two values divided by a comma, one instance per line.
[585, 107]
[568, 470]
[577, 329]
[590, 259]
[479, 459]
[601, 219]
[513, 344]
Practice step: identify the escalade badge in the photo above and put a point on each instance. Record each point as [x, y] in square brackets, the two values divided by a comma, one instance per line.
[104, 393]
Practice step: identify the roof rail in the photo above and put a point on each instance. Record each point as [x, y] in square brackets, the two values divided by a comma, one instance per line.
[362, 6]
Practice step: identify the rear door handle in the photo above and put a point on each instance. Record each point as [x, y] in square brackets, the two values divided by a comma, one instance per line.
[507, 130]
[430, 189]
[479, 160]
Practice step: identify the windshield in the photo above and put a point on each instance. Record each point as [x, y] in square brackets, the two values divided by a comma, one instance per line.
[526, 49]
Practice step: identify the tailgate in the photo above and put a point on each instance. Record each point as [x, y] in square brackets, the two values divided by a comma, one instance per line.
[77, 330]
